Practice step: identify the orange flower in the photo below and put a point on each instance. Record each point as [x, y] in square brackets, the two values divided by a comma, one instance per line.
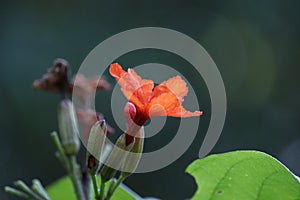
[163, 100]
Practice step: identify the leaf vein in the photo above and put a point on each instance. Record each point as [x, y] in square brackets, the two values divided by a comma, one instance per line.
[226, 173]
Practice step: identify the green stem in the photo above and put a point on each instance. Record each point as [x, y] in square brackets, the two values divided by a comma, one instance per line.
[71, 167]
[102, 190]
[113, 187]
[22, 186]
[38, 188]
[15, 192]
[95, 185]
[75, 178]
[61, 154]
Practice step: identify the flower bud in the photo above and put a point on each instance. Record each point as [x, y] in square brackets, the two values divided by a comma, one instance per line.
[95, 146]
[129, 112]
[133, 158]
[68, 129]
[115, 158]
[133, 128]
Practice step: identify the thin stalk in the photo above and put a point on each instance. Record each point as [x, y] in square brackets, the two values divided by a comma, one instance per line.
[90, 189]
[112, 184]
[22, 186]
[75, 178]
[113, 187]
[87, 184]
[102, 190]
[71, 167]
[16, 193]
[95, 185]
[62, 156]
[38, 188]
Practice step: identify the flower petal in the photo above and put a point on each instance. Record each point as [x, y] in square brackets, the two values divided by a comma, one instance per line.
[116, 71]
[168, 97]
[177, 86]
[180, 111]
[166, 100]
[135, 89]
[157, 110]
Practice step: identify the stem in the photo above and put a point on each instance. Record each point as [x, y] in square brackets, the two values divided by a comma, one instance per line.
[102, 190]
[22, 186]
[38, 188]
[15, 192]
[113, 187]
[75, 178]
[62, 156]
[87, 185]
[95, 185]
[90, 192]
[71, 167]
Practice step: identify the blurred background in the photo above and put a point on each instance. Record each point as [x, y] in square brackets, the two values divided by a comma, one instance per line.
[255, 45]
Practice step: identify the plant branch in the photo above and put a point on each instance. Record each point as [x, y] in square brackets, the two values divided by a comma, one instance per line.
[114, 186]
[70, 166]
[61, 154]
[23, 187]
[15, 192]
[102, 190]
[95, 185]
[75, 178]
[38, 188]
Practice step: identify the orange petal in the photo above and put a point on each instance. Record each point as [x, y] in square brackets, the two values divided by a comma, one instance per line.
[156, 110]
[167, 98]
[177, 86]
[135, 89]
[116, 71]
[182, 112]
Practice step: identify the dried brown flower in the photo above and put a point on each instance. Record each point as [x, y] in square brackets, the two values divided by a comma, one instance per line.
[56, 79]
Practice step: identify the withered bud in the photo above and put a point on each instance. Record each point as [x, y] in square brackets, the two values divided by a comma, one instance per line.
[56, 79]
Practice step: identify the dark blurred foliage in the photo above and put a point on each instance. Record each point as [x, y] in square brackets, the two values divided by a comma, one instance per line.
[255, 44]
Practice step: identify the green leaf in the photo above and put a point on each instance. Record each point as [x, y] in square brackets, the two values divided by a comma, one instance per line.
[63, 190]
[246, 175]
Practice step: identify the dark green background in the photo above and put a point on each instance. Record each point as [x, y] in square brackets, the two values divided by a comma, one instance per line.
[255, 44]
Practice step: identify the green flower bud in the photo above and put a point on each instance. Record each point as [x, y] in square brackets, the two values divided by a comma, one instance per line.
[116, 158]
[133, 158]
[95, 146]
[68, 128]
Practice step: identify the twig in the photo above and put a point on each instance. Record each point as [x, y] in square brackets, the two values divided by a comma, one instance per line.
[95, 185]
[102, 190]
[113, 187]
[71, 167]
[38, 188]
[75, 178]
[15, 192]
[22, 186]
[62, 156]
